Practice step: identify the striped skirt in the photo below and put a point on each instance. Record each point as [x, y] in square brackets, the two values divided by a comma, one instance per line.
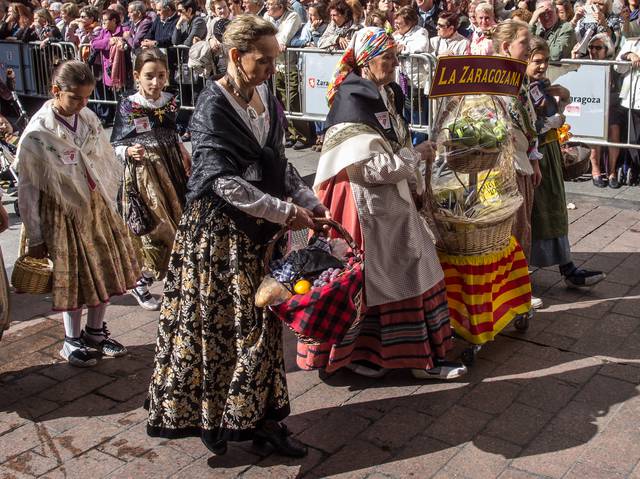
[486, 292]
[403, 334]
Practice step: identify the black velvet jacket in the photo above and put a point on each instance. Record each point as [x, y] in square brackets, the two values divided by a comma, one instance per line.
[163, 118]
[224, 146]
[358, 100]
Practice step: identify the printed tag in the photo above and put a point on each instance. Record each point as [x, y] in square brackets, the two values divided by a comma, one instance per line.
[383, 119]
[536, 94]
[142, 124]
[70, 157]
[573, 109]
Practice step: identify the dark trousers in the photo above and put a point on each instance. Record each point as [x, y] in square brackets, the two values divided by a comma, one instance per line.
[298, 130]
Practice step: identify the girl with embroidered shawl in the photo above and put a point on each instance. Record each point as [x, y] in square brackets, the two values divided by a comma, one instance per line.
[146, 140]
[69, 179]
[367, 177]
[219, 370]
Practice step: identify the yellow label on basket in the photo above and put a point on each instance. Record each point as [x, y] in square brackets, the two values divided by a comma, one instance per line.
[488, 189]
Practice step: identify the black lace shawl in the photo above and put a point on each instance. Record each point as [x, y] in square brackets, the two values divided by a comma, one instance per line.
[224, 146]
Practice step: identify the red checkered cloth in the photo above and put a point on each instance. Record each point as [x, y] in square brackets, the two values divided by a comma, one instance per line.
[325, 313]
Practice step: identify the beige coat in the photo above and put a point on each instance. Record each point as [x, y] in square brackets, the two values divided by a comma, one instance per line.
[400, 256]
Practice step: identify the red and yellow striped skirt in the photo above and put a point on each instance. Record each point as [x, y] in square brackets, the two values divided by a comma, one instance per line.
[486, 292]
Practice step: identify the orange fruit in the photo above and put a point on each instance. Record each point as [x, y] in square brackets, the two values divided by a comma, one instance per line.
[301, 287]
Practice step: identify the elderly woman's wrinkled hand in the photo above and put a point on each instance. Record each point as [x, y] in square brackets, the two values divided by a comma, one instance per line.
[300, 218]
[427, 151]
[321, 211]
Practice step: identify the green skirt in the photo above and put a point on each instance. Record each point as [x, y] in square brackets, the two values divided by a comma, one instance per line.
[549, 217]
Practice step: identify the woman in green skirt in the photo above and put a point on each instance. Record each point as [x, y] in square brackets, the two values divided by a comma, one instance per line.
[549, 219]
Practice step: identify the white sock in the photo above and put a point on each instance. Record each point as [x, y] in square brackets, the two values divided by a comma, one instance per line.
[72, 323]
[95, 317]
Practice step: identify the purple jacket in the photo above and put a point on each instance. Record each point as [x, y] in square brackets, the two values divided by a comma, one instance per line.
[101, 44]
[139, 32]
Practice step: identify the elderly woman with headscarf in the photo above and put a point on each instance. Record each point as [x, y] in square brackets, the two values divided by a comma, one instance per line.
[368, 176]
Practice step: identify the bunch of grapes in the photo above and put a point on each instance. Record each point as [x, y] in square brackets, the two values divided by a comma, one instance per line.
[326, 276]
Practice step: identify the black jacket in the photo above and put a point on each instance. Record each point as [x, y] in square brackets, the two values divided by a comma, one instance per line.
[162, 32]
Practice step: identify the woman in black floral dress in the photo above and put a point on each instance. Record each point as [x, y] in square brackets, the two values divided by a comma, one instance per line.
[219, 369]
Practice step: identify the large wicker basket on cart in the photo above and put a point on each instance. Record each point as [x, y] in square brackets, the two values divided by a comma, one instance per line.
[325, 313]
[466, 237]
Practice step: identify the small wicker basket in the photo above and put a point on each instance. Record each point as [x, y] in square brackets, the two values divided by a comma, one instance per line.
[463, 159]
[575, 161]
[32, 275]
[460, 236]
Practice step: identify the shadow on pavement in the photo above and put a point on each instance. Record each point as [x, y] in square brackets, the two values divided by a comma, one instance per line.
[551, 389]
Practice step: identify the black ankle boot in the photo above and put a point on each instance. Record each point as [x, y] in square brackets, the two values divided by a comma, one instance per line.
[218, 447]
[279, 437]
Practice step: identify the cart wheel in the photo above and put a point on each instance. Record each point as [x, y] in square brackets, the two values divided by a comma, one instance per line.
[468, 356]
[630, 179]
[522, 322]
[620, 175]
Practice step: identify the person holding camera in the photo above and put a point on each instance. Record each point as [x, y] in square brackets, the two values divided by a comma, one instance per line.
[546, 24]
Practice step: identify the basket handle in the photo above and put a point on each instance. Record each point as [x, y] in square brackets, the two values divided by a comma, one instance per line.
[319, 222]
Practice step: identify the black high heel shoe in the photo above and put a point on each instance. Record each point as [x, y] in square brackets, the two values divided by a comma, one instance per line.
[219, 448]
[279, 437]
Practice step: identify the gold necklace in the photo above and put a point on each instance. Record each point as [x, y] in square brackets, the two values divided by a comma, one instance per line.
[236, 89]
[251, 111]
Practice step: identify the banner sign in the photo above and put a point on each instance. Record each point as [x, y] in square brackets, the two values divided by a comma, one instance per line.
[589, 89]
[318, 71]
[477, 75]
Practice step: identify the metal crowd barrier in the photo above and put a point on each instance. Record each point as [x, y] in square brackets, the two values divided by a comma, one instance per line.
[45, 58]
[601, 140]
[304, 74]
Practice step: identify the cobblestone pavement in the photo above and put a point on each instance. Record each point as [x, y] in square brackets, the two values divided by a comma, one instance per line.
[560, 400]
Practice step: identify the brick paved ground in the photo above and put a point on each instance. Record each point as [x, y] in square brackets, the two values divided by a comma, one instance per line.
[559, 401]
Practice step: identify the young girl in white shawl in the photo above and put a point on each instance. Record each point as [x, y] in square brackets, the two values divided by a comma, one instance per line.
[69, 178]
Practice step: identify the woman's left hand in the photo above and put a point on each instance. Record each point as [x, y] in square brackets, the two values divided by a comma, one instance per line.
[537, 174]
[321, 211]
[4, 219]
[427, 152]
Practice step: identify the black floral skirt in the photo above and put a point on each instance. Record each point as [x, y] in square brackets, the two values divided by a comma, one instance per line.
[219, 367]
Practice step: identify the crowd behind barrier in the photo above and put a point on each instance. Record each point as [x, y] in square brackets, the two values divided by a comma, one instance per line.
[312, 68]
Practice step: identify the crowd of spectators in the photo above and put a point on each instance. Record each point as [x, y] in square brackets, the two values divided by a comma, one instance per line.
[109, 32]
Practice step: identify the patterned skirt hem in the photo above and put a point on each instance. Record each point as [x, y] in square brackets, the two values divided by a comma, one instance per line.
[217, 434]
[406, 334]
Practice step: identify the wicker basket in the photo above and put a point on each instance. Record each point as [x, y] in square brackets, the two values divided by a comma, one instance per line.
[31, 275]
[575, 161]
[464, 159]
[460, 236]
[342, 232]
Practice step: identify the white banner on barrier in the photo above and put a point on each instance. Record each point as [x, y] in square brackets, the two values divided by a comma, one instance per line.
[588, 112]
[318, 69]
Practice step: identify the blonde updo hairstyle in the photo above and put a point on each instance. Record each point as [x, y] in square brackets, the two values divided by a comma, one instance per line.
[244, 31]
[506, 31]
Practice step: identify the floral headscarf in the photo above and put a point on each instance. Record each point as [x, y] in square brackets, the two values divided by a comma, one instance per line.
[365, 45]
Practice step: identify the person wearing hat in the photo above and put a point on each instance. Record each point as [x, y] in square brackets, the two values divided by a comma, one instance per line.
[369, 178]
